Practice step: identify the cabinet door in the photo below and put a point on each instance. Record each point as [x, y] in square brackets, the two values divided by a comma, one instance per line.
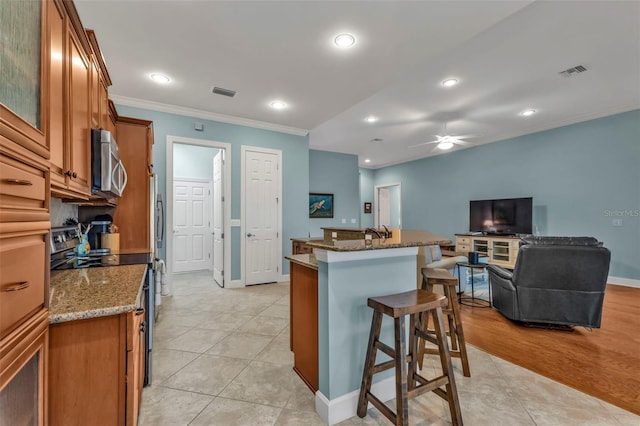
[55, 124]
[135, 364]
[132, 214]
[95, 95]
[79, 172]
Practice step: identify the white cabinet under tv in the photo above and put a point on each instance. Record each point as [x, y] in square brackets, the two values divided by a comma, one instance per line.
[500, 250]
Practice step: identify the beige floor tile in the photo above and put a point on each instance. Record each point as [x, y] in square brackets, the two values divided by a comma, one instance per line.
[208, 374]
[165, 330]
[262, 383]
[297, 418]
[277, 352]
[224, 321]
[229, 412]
[278, 311]
[195, 340]
[241, 345]
[302, 399]
[495, 409]
[545, 414]
[268, 326]
[170, 407]
[167, 362]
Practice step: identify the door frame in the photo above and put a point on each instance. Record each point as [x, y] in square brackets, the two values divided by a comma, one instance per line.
[171, 140]
[209, 199]
[278, 153]
[376, 190]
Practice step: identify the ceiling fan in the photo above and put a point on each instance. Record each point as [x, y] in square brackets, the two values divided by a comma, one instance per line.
[445, 141]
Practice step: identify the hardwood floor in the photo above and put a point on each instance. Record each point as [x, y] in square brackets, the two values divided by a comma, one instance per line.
[604, 363]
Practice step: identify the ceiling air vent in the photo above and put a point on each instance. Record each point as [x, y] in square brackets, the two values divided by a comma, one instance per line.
[224, 92]
[573, 71]
[376, 140]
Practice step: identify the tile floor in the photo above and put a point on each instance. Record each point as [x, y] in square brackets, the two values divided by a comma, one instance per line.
[221, 357]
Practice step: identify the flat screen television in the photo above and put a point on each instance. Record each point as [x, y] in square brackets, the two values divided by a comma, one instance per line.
[506, 216]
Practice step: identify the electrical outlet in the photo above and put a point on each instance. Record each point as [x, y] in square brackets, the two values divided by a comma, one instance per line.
[616, 222]
[334, 235]
[353, 221]
[344, 220]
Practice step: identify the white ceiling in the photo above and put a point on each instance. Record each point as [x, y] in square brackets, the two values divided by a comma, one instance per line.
[506, 54]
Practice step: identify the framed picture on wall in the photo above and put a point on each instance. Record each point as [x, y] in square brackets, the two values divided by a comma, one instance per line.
[367, 207]
[320, 206]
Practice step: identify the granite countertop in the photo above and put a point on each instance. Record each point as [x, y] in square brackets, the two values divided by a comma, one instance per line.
[400, 238]
[95, 292]
[308, 260]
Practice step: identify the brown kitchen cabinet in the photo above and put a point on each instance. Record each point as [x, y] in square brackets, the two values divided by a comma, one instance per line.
[304, 322]
[69, 121]
[23, 373]
[300, 246]
[23, 112]
[96, 370]
[135, 141]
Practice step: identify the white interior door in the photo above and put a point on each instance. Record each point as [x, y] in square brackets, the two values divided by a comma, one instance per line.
[218, 218]
[261, 216]
[191, 225]
[384, 208]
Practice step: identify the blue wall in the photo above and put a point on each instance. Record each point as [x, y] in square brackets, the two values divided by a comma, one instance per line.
[337, 174]
[366, 195]
[295, 168]
[193, 161]
[580, 177]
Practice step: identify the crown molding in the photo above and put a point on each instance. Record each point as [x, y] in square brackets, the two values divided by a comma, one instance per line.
[190, 112]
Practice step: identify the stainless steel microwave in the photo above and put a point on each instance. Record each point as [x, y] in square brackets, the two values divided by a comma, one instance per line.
[108, 175]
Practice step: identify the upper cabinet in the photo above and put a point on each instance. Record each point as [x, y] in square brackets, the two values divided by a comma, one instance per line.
[69, 129]
[24, 88]
[78, 101]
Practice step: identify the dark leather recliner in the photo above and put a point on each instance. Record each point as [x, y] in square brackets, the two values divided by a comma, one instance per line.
[556, 280]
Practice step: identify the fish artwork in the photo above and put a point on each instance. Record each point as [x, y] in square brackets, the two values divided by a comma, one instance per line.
[316, 206]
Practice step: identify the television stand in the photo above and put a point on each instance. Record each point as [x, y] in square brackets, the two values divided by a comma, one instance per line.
[501, 250]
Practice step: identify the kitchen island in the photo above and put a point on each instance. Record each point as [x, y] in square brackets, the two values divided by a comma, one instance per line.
[349, 272]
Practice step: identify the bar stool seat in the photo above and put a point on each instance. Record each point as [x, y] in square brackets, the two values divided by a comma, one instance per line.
[418, 304]
[436, 276]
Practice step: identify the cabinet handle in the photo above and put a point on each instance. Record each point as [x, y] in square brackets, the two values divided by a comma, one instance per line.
[23, 182]
[139, 311]
[250, 235]
[71, 174]
[143, 327]
[17, 287]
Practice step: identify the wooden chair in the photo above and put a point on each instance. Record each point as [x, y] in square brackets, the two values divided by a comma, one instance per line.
[418, 304]
[431, 277]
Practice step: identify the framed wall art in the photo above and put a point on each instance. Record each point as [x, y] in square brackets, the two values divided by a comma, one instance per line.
[320, 206]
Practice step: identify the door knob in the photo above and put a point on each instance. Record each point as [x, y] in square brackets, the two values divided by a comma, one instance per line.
[250, 235]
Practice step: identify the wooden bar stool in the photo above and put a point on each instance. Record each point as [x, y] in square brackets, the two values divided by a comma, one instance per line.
[431, 277]
[418, 304]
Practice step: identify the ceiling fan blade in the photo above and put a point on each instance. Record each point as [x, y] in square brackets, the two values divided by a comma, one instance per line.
[423, 143]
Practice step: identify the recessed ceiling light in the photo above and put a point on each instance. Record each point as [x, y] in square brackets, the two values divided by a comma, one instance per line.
[445, 145]
[450, 82]
[366, 160]
[159, 78]
[344, 40]
[371, 119]
[278, 105]
[528, 112]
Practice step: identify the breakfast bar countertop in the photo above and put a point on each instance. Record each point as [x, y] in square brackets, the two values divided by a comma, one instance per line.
[308, 260]
[95, 292]
[399, 238]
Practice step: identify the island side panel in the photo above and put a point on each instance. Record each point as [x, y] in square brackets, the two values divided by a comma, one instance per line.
[344, 319]
[304, 323]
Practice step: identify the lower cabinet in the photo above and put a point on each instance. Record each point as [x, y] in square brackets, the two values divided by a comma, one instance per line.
[96, 370]
[23, 368]
[304, 323]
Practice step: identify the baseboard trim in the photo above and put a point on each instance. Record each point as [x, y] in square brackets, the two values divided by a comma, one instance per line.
[283, 278]
[235, 284]
[627, 282]
[344, 407]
